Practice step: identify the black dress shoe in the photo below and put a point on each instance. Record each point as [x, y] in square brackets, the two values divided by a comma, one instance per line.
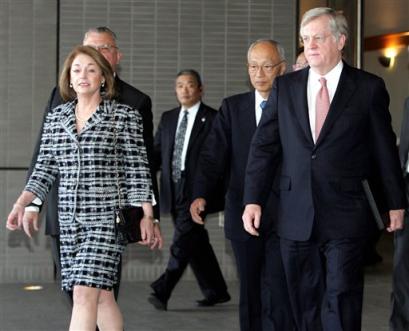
[208, 302]
[157, 302]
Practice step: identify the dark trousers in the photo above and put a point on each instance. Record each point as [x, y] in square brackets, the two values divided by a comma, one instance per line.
[325, 282]
[399, 320]
[190, 245]
[264, 303]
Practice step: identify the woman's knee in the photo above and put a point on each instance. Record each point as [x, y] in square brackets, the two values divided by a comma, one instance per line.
[84, 295]
[106, 297]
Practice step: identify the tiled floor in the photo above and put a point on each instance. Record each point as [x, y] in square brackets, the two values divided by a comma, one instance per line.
[47, 310]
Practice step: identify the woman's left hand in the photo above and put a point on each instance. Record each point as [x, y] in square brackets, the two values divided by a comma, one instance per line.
[157, 239]
[151, 234]
[147, 233]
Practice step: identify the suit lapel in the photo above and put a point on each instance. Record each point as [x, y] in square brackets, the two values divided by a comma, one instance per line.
[299, 95]
[104, 108]
[345, 89]
[170, 132]
[173, 125]
[248, 109]
[198, 125]
[67, 119]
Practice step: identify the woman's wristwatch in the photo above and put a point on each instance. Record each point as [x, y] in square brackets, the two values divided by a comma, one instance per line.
[34, 206]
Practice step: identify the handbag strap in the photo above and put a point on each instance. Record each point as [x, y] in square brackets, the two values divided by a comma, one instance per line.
[116, 156]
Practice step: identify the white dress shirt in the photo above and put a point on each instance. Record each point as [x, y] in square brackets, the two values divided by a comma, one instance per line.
[192, 112]
[314, 85]
[259, 111]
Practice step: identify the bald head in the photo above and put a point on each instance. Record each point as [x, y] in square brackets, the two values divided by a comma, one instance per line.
[265, 61]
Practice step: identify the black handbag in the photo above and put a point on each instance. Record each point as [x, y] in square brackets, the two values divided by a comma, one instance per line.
[128, 224]
[127, 218]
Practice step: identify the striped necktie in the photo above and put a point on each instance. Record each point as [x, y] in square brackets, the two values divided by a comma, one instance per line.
[178, 148]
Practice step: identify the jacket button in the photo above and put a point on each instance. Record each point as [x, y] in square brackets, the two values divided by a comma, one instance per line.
[313, 156]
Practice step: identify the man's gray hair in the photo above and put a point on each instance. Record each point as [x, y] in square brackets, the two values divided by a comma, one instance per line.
[276, 44]
[101, 29]
[191, 72]
[337, 21]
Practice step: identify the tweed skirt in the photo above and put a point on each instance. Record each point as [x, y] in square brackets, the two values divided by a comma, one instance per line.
[90, 255]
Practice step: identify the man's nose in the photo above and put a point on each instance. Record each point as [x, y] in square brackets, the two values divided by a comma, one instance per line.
[260, 71]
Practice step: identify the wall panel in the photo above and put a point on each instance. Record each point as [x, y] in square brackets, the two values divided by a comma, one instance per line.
[28, 49]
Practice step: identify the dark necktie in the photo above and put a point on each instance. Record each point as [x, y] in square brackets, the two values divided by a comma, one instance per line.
[263, 104]
[178, 148]
[321, 107]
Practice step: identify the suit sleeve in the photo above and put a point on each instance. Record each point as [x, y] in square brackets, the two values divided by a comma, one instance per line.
[384, 148]
[137, 174]
[147, 119]
[264, 155]
[214, 157]
[52, 225]
[404, 136]
[145, 108]
[157, 148]
[45, 169]
[36, 150]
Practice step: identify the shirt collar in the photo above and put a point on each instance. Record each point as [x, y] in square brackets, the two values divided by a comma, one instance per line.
[333, 74]
[192, 110]
[259, 98]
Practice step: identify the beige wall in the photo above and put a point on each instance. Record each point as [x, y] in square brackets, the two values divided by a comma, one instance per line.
[382, 17]
[28, 46]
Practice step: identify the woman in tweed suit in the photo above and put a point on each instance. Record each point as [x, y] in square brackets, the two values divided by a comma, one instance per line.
[78, 143]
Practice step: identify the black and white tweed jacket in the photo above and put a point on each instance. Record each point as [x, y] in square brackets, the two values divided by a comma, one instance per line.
[86, 163]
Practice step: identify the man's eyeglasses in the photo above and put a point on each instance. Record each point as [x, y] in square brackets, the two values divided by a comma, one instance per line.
[318, 39]
[267, 68]
[104, 48]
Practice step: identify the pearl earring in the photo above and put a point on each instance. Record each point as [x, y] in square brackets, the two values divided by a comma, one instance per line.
[103, 84]
[71, 85]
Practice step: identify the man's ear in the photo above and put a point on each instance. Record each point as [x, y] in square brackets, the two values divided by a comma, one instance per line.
[341, 42]
[119, 56]
[283, 68]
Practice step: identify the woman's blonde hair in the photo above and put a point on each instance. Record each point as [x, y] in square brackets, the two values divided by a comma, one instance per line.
[67, 92]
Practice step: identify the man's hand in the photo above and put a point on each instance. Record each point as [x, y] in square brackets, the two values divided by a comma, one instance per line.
[251, 219]
[396, 218]
[196, 208]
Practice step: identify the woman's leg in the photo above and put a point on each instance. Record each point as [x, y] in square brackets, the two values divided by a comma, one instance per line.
[109, 317]
[84, 310]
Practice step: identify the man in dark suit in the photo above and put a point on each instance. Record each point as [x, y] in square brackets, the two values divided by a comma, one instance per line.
[263, 295]
[331, 126]
[178, 141]
[104, 40]
[399, 320]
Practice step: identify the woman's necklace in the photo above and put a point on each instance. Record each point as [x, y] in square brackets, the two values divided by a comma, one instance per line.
[78, 117]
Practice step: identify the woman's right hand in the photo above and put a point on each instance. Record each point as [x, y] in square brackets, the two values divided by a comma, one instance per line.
[15, 218]
[18, 218]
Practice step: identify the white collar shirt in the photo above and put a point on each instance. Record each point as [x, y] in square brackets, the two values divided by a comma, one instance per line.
[259, 111]
[192, 112]
[314, 85]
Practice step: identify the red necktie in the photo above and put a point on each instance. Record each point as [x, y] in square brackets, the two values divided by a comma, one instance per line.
[321, 107]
